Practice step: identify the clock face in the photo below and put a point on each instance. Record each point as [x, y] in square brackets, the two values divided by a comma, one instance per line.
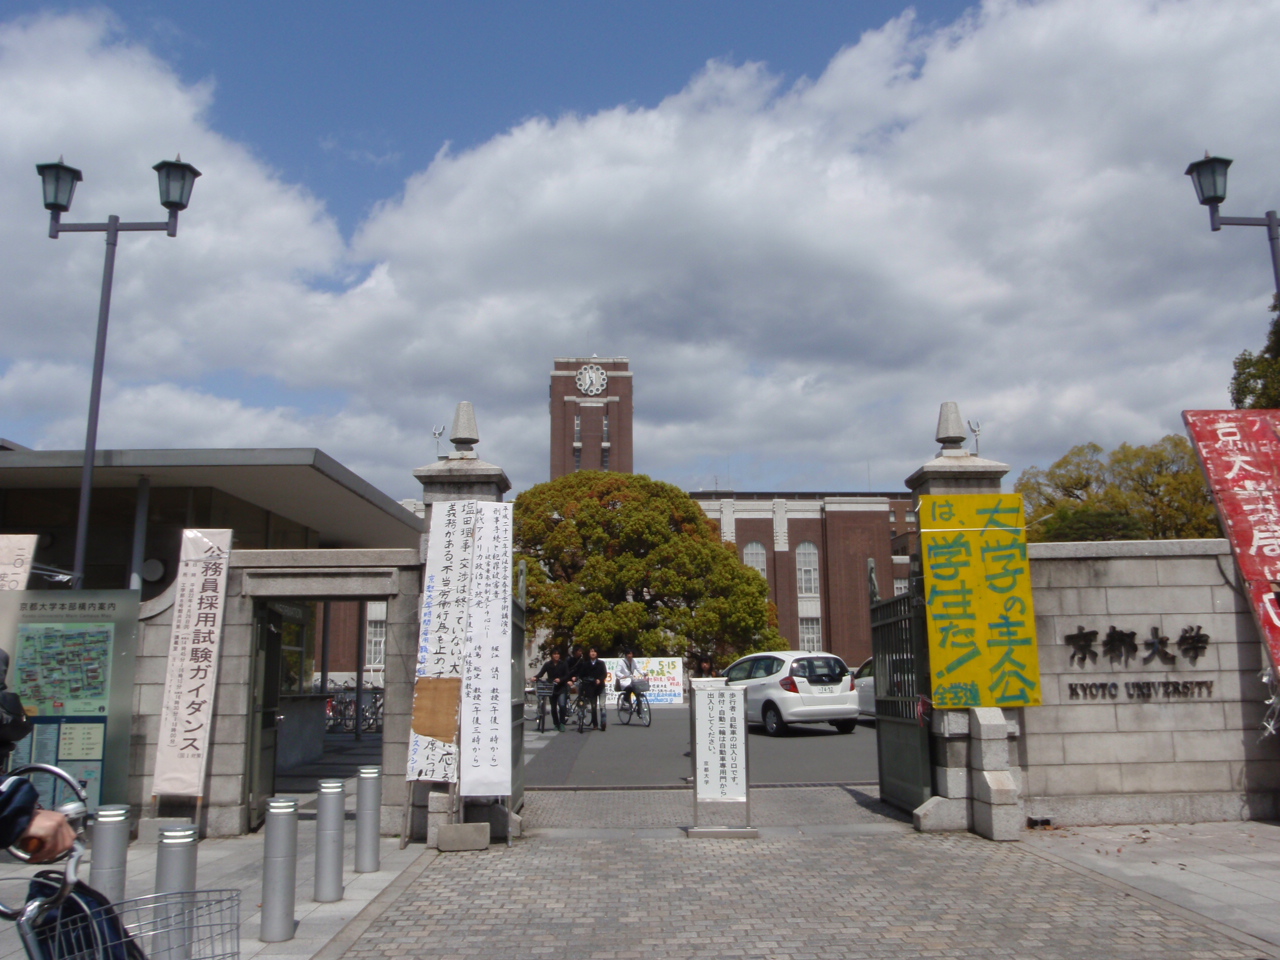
[591, 379]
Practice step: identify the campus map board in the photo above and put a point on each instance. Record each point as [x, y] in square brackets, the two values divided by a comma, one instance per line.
[71, 663]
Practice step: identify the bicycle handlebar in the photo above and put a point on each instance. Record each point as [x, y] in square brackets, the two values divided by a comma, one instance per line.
[77, 812]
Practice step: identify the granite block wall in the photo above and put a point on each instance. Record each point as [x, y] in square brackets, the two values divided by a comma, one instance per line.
[1150, 666]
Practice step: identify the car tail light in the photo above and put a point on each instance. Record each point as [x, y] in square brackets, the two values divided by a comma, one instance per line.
[789, 684]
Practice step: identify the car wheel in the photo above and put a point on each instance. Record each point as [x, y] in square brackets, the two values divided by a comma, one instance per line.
[845, 726]
[773, 723]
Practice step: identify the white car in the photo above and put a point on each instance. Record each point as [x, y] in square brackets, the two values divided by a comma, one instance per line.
[864, 682]
[796, 686]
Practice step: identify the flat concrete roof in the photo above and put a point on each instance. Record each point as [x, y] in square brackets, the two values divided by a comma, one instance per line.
[302, 484]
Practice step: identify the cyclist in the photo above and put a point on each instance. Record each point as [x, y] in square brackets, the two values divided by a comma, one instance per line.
[628, 671]
[556, 671]
[44, 834]
[591, 674]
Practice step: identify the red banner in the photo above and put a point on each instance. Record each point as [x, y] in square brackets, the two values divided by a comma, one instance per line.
[1240, 453]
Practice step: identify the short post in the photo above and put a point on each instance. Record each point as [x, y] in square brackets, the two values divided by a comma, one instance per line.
[176, 859]
[279, 870]
[330, 823]
[175, 874]
[368, 819]
[110, 851]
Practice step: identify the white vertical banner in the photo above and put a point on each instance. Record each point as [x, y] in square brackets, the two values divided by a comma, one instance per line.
[442, 633]
[486, 682]
[17, 551]
[186, 713]
[719, 729]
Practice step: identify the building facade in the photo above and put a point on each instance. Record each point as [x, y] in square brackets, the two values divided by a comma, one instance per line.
[820, 553]
[591, 413]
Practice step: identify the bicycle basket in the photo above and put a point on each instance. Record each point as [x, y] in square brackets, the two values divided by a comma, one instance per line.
[546, 688]
[191, 925]
[640, 686]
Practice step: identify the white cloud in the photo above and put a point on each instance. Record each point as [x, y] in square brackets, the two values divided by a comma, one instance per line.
[994, 213]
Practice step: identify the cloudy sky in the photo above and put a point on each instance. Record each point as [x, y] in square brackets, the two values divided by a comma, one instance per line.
[805, 226]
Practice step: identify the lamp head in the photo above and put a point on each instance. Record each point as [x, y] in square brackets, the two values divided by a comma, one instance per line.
[59, 184]
[1210, 178]
[176, 180]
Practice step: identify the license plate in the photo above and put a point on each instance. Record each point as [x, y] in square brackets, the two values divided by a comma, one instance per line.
[824, 689]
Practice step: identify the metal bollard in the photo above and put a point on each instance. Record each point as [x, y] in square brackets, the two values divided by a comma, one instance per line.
[175, 874]
[176, 859]
[330, 823]
[368, 819]
[279, 870]
[110, 851]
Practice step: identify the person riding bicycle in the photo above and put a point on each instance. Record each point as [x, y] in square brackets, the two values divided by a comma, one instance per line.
[557, 672]
[591, 675]
[626, 674]
[43, 834]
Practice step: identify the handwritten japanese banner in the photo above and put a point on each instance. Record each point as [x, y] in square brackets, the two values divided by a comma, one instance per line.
[1240, 453]
[719, 729]
[442, 636]
[486, 683]
[186, 713]
[982, 637]
[17, 550]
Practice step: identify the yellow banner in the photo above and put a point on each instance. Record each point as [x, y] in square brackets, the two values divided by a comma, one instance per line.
[982, 624]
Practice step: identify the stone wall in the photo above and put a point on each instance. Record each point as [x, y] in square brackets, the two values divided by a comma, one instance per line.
[394, 575]
[1153, 733]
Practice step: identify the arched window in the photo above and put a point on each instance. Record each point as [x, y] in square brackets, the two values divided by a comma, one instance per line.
[807, 569]
[753, 556]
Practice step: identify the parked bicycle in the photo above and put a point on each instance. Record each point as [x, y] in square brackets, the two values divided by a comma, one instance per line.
[638, 706]
[63, 919]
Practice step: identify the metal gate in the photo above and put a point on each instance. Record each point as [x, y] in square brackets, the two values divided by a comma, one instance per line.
[901, 663]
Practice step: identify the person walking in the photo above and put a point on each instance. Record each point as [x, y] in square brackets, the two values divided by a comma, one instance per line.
[593, 673]
[556, 672]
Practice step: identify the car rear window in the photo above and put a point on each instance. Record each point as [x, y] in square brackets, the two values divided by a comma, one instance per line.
[819, 669]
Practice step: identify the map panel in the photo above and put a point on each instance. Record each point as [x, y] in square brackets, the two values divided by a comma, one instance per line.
[64, 669]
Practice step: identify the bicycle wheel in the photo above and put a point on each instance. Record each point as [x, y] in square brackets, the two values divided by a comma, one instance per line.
[530, 704]
[581, 709]
[542, 714]
[642, 709]
[624, 709]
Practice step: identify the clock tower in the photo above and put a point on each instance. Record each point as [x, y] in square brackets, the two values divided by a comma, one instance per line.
[590, 415]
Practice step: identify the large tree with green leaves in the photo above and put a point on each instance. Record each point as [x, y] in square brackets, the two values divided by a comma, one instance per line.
[1256, 381]
[1153, 492]
[618, 561]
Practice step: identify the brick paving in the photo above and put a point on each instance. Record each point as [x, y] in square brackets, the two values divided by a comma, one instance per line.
[647, 809]
[896, 894]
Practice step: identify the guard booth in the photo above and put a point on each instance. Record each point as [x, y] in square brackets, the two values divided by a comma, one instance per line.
[900, 657]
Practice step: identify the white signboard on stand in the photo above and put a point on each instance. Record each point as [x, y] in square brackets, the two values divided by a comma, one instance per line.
[191, 677]
[719, 744]
[486, 682]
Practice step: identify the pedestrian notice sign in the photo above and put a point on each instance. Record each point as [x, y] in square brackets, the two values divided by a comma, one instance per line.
[720, 744]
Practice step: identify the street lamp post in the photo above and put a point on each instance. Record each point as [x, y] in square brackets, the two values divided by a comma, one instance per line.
[1210, 179]
[59, 180]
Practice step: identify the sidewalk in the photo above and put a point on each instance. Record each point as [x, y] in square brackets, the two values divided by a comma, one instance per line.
[236, 863]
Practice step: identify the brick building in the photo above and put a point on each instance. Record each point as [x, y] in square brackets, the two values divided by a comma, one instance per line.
[591, 411]
[819, 552]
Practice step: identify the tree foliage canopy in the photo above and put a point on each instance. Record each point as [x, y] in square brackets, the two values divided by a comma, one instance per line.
[1153, 492]
[1256, 381]
[620, 561]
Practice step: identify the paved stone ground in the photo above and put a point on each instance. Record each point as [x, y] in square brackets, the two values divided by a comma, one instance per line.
[603, 809]
[1229, 872]
[893, 896]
